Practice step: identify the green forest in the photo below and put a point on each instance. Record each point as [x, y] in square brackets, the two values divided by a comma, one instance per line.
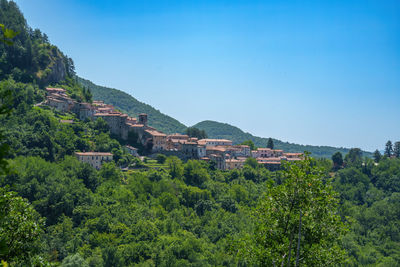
[57, 211]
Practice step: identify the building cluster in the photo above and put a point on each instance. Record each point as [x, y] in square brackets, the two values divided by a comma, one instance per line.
[120, 124]
[226, 155]
[221, 151]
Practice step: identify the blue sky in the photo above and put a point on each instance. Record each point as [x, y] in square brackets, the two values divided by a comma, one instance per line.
[309, 72]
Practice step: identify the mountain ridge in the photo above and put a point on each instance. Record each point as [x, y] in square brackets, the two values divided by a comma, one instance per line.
[216, 129]
[130, 105]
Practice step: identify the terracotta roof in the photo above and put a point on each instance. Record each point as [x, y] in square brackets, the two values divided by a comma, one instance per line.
[136, 125]
[55, 89]
[215, 140]
[108, 115]
[93, 154]
[55, 99]
[293, 154]
[155, 133]
[221, 149]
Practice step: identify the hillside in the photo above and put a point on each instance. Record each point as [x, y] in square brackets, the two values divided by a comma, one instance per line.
[223, 130]
[133, 107]
[167, 124]
[31, 58]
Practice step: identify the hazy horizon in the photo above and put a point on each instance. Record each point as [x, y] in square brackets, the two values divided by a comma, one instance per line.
[304, 72]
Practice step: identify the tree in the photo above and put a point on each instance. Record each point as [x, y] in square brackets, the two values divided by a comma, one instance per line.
[175, 167]
[396, 150]
[353, 158]
[7, 35]
[270, 143]
[337, 159]
[377, 156]
[161, 158]
[195, 132]
[296, 222]
[250, 144]
[252, 162]
[388, 149]
[20, 228]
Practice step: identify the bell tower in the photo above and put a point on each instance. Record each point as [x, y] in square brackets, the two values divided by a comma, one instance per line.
[143, 119]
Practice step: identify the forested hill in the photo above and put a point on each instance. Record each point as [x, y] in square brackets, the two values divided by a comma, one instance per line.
[133, 107]
[216, 129]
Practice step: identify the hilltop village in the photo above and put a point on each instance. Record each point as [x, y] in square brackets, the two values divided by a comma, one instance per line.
[226, 155]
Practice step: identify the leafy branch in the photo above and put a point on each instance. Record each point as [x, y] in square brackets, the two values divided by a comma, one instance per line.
[7, 35]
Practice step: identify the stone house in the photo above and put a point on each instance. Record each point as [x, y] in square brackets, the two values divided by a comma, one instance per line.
[95, 159]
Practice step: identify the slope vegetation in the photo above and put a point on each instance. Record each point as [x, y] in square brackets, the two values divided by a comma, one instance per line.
[133, 107]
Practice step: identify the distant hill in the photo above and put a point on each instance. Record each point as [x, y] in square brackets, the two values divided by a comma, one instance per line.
[223, 130]
[131, 106]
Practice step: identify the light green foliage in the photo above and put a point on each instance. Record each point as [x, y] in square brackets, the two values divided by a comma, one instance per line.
[7, 35]
[304, 207]
[74, 261]
[250, 144]
[175, 167]
[20, 228]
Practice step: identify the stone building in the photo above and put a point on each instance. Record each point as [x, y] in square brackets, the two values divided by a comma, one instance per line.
[233, 163]
[95, 159]
[158, 139]
[132, 150]
[215, 142]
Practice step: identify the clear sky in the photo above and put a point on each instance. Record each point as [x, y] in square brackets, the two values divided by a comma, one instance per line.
[309, 72]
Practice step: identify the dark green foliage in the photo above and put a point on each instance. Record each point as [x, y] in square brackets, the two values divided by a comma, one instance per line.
[270, 143]
[161, 158]
[223, 130]
[194, 132]
[337, 160]
[388, 149]
[369, 198]
[396, 149]
[31, 57]
[377, 156]
[133, 107]
[353, 158]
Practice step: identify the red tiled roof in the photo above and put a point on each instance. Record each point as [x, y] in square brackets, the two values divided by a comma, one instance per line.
[155, 133]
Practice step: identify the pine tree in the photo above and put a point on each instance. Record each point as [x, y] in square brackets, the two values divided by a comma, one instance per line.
[389, 149]
[270, 143]
[396, 150]
[377, 156]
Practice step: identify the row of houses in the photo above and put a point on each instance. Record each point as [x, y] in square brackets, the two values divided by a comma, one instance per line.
[221, 151]
[120, 124]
